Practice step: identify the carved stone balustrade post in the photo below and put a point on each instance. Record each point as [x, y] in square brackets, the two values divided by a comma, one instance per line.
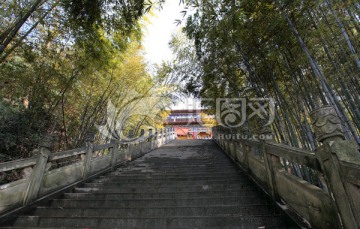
[151, 139]
[156, 139]
[242, 134]
[272, 162]
[89, 139]
[37, 174]
[332, 155]
[142, 141]
[161, 140]
[165, 136]
[327, 125]
[114, 153]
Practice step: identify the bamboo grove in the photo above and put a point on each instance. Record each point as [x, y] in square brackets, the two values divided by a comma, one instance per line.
[303, 54]
[62, 62]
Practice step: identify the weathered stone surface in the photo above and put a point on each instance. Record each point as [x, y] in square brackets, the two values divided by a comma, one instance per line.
[185, 184]
[308, 200]
[11, 195]
[61, 177]
[339, 160]
[26, 172]
[326, 124]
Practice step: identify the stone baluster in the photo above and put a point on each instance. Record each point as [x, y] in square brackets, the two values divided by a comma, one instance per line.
[114, 153]
[142, 142]
[161, 137]
[272, 162]
[165, 135]
[335, 150]
[89, 140]
[36, 178]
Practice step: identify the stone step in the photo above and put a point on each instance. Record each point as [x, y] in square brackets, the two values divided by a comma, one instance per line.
[173, 171]
[121, 180]
[154, 212]
[189, 166]
[254, 221]
[191, 186]
[176, 171]
[171, 185]
[148, 176]
[186, 165]
[115, 194]
[162, 174]
[169, 202]
[136, 188]
[211, 160]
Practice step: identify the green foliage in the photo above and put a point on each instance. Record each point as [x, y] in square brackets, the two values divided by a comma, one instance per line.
[20, 129]
[68, 60]
[92, 21]
[297, 52]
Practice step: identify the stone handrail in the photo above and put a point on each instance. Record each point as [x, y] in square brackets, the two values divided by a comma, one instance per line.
[39, 180]
[19, 164]
[68, 153]
[337, 165]
[300, 156]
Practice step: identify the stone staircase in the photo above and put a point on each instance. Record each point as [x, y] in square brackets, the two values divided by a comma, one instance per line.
[185, 184]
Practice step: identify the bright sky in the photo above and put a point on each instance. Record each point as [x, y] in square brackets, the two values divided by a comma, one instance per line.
[159, 32]
[187, 104]
[156, 42]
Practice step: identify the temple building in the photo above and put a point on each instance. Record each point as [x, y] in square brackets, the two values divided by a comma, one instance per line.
[191, 124]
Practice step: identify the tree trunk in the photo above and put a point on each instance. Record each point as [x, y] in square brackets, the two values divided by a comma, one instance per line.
[18, 24]
[325, 85]
[345, 35]
[27, 33]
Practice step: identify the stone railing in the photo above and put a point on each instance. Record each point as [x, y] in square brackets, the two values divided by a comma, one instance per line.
[42, 176]
[335, 203]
